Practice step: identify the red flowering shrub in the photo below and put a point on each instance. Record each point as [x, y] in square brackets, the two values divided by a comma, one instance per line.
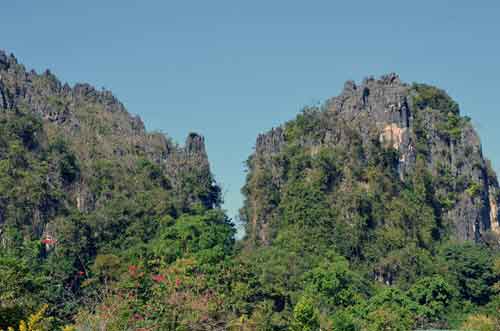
[48, 241]
[158, 278]
[132, 270]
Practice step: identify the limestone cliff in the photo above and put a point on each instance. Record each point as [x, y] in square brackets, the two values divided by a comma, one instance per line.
[105, 144]
[418, 122]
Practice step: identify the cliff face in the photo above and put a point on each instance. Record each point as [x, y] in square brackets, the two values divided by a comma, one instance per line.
[420, 123]
[105, 144]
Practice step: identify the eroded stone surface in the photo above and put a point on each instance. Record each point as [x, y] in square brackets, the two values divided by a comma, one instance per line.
[495, 225]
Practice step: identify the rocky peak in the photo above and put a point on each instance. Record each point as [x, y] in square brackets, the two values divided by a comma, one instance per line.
[385, 100]
[6, 60]
[418, 121]
[271, 142]
[3, 61]
[96, 125]
[195, 144]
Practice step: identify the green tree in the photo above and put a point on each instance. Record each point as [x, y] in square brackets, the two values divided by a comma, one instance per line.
[384, 319]
[435, 293]
[305, 316]
[390, 307]
[209, 236]
[470, 266]
[344, 320]
[335, 285]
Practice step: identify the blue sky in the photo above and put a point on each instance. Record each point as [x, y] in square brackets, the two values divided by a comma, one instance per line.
[233, 69]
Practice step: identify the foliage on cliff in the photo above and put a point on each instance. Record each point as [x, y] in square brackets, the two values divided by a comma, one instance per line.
[390, 177]
[86, 191]
[350, 225]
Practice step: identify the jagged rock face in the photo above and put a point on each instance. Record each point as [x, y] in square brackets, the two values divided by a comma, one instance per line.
[190, 165]
[97, 126]
[394, 114]
[44, 95]
[379, 107]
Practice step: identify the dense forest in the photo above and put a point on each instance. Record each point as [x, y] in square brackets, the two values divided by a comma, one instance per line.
[375, 211]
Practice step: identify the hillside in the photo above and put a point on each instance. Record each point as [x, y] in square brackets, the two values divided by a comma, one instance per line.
[405, 131]
[81, 180]
[390, 176]
[374, 212]
[99, 133]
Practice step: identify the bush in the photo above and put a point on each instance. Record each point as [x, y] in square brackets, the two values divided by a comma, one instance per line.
[435, 293]
[479, 323]
[451, 124]
[305, 316]
[470, 267]
[431, 97]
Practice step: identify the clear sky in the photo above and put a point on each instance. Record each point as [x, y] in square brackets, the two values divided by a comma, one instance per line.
[233, 69]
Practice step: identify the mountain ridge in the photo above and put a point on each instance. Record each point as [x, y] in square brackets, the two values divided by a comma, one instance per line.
[372, 212]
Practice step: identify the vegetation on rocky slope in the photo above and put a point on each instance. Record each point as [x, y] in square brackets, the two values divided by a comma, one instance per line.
[373, 212]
